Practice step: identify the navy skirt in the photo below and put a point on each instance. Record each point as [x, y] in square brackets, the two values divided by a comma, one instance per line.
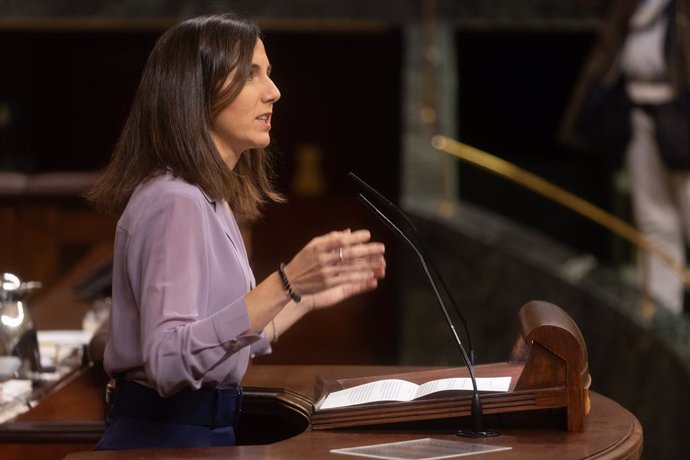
[140, 418]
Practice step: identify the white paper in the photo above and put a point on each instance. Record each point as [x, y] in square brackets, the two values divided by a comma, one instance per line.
[63, 337]
[57, 345]
[13, 389]
[420, 449]
[402, 390]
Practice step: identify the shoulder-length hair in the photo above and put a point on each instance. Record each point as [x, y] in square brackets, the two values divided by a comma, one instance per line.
[180, 93]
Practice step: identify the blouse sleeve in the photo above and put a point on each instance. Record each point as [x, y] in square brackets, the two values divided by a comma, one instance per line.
[183, 337]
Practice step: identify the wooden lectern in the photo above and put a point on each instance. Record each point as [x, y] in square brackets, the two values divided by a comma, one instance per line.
[548, 369]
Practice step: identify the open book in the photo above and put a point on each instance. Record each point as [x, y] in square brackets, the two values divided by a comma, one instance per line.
[402, 390]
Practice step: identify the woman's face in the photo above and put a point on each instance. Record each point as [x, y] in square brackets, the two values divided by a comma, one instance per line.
[245, 123]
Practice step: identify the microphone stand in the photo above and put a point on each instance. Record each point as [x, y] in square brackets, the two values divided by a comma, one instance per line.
[424, 254]
[476, 414]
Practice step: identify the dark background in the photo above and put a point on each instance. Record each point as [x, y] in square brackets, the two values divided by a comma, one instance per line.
[69, 93]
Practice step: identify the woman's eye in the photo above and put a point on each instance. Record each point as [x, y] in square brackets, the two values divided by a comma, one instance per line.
[253, 72]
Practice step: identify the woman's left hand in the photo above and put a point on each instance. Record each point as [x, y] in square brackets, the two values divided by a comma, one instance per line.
[346, 258]
[331, 296]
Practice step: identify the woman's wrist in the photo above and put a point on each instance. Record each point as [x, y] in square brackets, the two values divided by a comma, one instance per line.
[275, 335]
[297, 298]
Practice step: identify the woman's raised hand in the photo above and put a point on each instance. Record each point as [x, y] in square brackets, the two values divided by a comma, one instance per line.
[335, 266]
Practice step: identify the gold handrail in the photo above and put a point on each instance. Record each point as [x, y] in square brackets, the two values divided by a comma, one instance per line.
[553, 192]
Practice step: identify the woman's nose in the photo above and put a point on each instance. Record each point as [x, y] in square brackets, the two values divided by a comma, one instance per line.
[273, 93]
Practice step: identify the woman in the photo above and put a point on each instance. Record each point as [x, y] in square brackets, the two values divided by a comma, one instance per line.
[644, 50]
[186, 313]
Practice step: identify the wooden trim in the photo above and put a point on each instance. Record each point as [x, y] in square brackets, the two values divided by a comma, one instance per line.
[160, 24]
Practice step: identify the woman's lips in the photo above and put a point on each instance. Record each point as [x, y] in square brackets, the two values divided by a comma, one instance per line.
[265, 119]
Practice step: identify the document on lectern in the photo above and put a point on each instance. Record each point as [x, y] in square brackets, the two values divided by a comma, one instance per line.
[402, 390]
[421, 449]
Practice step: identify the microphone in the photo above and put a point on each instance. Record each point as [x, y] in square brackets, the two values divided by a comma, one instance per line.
[424, 254]
[476, 413]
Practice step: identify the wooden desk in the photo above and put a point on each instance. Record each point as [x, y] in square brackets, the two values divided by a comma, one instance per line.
[72, 418]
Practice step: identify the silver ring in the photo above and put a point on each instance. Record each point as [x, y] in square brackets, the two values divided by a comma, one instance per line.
[340, 255]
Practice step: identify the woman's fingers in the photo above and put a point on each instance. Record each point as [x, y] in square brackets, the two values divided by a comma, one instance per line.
[335, 240]
[334, 259]
[357, 252]
[334, 295]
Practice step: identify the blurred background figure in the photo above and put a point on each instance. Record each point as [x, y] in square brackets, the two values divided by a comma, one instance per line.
[632, 103]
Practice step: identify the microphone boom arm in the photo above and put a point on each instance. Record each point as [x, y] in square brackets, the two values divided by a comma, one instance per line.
[476, 413]
[422, 250]
[398, 232]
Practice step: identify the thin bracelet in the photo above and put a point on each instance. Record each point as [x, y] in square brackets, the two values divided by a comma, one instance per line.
[293, 295]
[275, 332]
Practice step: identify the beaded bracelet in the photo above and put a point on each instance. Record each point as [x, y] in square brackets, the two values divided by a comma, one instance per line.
[293, 295]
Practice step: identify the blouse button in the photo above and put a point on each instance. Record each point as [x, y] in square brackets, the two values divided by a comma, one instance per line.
[233, 342]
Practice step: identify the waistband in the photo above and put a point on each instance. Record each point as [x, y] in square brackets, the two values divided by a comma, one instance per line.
[205, 406]
[645, 92]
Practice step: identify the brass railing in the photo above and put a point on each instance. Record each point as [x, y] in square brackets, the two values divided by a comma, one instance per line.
[552, 192]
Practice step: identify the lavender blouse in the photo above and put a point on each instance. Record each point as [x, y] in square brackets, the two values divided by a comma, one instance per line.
[180, 274]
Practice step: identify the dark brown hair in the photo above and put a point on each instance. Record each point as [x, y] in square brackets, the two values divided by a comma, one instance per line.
[180, 93]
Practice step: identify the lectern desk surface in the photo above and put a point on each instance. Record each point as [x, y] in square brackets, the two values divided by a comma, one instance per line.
[274, 392]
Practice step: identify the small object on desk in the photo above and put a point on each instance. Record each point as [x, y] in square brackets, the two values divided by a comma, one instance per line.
[13, 389]
[59, 345]
[8, 366]
[15, 397]
[420, 449]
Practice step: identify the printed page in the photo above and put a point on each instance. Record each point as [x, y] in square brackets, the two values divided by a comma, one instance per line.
[495, 384]
[402, 390]
[382, 390]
